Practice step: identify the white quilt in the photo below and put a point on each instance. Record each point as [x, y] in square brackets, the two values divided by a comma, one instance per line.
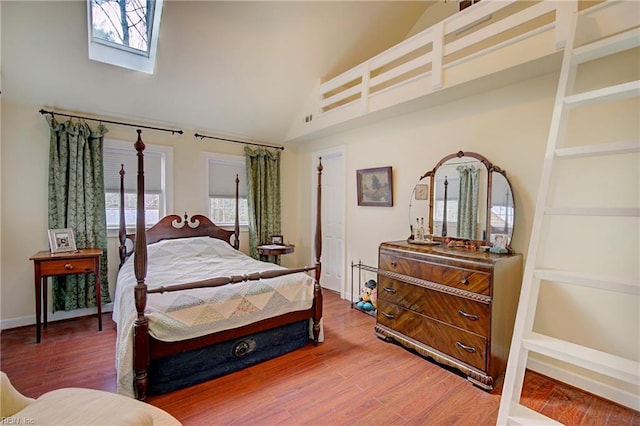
[192, 313]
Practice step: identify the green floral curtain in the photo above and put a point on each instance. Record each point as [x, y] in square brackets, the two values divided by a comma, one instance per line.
[76, 201]
[263, 187]
[468, 202]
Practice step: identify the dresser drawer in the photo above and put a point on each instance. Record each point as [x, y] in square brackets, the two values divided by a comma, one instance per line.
[401, 265]
[66, 267]
[465, 279]
[464, 313]
[462, 345]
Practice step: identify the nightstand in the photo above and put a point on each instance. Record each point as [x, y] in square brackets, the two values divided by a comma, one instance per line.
[47, 264]
[275, 250]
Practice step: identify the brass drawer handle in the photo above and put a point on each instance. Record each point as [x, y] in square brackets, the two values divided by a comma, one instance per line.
[466, 348]
[68, 266]
[394, 264]
[469, 316]
[389, 316]
[464, 280]
[390, 290]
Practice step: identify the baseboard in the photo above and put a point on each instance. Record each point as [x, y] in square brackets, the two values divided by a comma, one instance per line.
[57, 316]
[588, 384]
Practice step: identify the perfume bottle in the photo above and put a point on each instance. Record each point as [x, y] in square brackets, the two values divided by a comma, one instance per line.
[420, 232]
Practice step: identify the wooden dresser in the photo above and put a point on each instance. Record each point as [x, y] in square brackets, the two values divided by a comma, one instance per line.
[456, 306]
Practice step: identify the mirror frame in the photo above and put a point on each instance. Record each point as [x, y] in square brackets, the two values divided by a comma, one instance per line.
[491, 168]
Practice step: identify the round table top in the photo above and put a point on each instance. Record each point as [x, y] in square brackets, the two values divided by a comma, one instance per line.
[275, 249]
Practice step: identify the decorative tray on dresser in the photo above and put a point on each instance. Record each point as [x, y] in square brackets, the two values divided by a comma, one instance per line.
[454, 305]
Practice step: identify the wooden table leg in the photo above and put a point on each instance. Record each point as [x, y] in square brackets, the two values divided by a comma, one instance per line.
[98, 297]
[38, 282]
[45, 299]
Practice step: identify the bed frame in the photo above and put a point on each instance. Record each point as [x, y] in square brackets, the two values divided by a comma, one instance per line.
[146, 347]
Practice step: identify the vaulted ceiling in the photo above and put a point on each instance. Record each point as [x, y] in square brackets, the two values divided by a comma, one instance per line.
[238, 69]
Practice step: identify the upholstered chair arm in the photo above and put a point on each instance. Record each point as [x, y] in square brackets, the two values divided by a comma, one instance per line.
[11, 401]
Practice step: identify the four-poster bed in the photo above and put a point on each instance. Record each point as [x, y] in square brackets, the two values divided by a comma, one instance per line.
[190, 306]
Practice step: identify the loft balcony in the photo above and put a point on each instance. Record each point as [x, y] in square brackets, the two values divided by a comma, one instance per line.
[489, 45]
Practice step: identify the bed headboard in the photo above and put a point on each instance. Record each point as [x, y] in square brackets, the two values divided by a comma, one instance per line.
[174, 226]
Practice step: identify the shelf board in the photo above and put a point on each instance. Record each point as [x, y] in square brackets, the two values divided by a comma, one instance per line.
[607, 46]
[613, 148]
[582, 356]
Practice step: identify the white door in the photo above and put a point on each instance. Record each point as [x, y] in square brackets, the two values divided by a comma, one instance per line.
[333, 217]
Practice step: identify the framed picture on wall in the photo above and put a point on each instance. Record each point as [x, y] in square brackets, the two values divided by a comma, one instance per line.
[61, 240]
[375, 187]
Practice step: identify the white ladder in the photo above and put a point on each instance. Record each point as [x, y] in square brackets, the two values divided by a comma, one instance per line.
[552, 261]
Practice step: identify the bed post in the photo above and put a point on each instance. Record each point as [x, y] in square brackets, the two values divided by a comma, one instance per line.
[122, 231]
[141, 324]
[317, 289]
[236, 229]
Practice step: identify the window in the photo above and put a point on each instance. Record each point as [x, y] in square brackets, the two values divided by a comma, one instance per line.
[453, 193]
[221, 189]
[158, 184]
[124, 32]
[463, 4]
[501, 219]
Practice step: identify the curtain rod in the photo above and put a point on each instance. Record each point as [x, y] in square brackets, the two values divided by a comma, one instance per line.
[173, 132]
[198, 135]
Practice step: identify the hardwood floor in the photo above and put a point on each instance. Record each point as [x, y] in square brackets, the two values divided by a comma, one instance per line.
[351, 378]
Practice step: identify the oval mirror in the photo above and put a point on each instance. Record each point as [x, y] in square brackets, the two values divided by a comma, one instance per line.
[464, 197]
[502, 210]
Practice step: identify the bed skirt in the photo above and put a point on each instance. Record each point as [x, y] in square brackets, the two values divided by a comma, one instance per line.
[199, 365]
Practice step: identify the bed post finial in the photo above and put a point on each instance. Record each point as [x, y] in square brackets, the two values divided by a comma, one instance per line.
[317, 300]
[139, 145]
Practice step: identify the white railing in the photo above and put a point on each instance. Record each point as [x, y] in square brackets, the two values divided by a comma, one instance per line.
[488, 25]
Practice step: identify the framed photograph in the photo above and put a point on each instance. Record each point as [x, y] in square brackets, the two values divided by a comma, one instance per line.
[422, 191]
[277, 239]
[500, 240]
[375, 187]
[61, 240]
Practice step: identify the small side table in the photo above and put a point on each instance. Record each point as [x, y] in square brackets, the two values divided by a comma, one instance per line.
[47, 264]
[275, 250]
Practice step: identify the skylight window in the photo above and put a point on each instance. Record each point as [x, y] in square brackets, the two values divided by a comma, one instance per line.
[124, 32]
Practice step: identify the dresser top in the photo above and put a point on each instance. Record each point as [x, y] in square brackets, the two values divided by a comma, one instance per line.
[449, 252]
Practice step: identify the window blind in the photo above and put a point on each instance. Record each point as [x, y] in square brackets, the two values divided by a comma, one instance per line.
[222, 179]
[113, 158]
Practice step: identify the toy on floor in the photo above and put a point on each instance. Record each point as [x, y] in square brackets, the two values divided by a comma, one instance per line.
[368, 296]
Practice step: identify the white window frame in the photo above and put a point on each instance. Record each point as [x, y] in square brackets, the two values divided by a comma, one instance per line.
[166, 172]
[124, 56]
[212, 157]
